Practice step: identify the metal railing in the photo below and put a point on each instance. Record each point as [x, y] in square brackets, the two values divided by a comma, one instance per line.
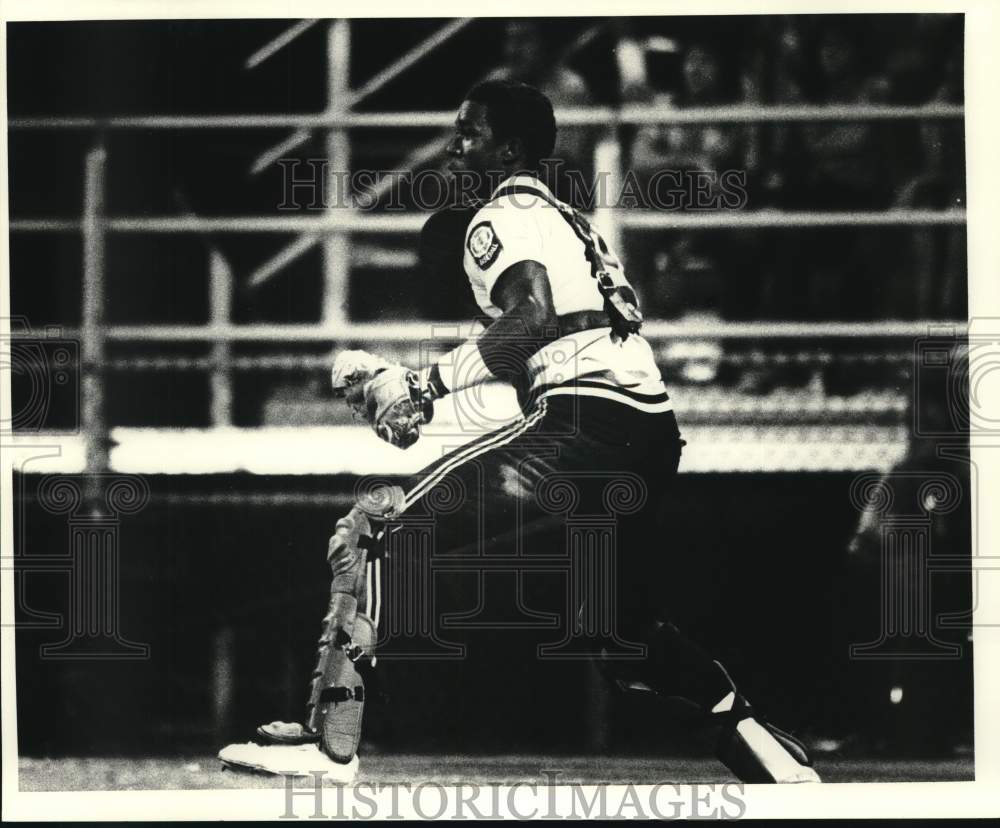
[334, 228]
[631, 114]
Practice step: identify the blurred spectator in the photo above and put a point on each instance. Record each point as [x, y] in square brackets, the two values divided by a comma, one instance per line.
[707, 147]
[527, 58]
[685, 272]
[630, 62]
[930, 274]
[921, 45]
[846, 162]
[845, 167]
[782, 83]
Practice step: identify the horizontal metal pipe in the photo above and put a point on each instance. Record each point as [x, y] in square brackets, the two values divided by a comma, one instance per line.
[298, 363]
[603, 116]
[448, 331]
[355, 221]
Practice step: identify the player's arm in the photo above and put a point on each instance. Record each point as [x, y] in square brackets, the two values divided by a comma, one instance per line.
[396, 401]
[502, 351]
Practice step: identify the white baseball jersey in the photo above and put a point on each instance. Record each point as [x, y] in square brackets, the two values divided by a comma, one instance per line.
[525, 226]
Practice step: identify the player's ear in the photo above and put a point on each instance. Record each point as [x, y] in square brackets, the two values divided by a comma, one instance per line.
[512, 150]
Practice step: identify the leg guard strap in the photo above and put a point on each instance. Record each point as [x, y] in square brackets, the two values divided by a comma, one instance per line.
[338, 692]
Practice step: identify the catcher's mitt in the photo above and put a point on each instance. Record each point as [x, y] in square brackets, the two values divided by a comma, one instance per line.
[388, 397]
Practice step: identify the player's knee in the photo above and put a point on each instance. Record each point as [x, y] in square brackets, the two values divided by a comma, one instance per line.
[381, 502]
[354, 531]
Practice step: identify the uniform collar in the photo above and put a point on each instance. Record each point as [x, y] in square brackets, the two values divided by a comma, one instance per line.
[521, 179]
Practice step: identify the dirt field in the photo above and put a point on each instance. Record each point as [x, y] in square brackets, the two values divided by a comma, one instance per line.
[206, 772]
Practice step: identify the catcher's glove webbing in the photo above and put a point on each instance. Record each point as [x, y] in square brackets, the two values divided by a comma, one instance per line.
[395, 405]
[388, 397]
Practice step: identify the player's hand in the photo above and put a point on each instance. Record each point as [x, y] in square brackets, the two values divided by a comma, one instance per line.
[395, 405]
[352, 369]
[386, 396]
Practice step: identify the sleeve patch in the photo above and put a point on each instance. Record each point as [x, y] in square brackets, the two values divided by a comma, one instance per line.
[484, 245]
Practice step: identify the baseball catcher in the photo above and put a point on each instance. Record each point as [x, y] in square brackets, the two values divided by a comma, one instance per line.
[564, 332]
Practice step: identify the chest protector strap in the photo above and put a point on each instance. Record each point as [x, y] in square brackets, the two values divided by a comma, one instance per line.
[620, 302]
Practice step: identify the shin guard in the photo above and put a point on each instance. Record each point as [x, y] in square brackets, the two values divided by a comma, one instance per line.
[343, 677]
[338, 691]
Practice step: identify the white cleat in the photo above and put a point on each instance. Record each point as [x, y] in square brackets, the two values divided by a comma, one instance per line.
[804, 774]
[774, 757]
[288, 760]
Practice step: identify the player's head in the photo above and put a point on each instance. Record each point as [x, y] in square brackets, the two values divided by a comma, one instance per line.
[502, 128]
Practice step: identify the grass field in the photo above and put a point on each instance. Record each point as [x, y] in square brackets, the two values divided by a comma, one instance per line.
[206, 772]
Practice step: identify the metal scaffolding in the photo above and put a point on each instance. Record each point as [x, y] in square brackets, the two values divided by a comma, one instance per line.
[334, 228]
